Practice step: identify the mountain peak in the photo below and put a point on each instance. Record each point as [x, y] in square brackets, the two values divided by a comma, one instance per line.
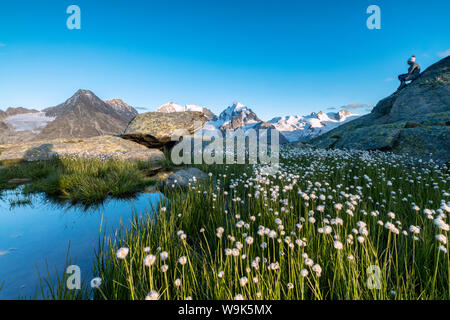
[238, 106]
[83, 92]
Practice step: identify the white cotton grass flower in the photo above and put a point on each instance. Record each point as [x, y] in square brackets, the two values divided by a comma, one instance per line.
[317, 269]
[414, 229]
[182, 260]
[309, 262]
[304, 273]
[122, 253]
[239, 297]
[177, 282]
[164, 268]
[338, 245]
[152, 295]
[164, 255]
[221, 274]
[243, 281]
[327, 229]
[96, 283]
[441, 238]
[290, 286]
[147, 249]
[149, 260]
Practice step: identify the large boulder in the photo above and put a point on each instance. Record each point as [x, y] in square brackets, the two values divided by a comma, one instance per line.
[414, 121]
[157, 129]
[105, 147]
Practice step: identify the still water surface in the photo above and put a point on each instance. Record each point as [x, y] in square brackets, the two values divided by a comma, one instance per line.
[38, 234]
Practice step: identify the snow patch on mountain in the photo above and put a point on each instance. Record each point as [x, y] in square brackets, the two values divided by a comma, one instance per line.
[29, 121]
[300, 128]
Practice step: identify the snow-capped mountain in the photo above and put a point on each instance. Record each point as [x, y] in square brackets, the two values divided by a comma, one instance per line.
[300, 128]
[235, 116]
[173, 107]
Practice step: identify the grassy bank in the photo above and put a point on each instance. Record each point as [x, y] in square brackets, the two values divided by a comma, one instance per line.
[327, 225]
[79, 180]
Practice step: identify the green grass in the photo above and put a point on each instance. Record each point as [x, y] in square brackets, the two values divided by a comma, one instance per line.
[86, 181]
[408, 268]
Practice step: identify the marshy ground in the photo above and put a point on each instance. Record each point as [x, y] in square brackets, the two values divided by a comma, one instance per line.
[329, 224]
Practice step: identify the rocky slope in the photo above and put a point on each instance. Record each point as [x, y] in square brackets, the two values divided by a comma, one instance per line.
[126, 111]
[415, 120]
[85, 115]
[104, 147]
[301, 128]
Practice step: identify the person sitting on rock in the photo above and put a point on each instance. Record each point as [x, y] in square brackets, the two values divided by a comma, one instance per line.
[413, 73]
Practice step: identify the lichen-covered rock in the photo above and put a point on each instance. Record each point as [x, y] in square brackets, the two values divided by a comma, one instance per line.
[415, 120]
[156, 129]
[104, 147]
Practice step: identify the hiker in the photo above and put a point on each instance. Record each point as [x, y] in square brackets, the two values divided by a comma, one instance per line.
[413, 73]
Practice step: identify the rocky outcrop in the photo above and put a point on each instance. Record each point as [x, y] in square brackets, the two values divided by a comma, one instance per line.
[414, 121]
[156, 129]
[104, 147]
[84, 115]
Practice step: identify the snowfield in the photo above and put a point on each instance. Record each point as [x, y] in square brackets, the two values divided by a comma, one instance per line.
[29, 121]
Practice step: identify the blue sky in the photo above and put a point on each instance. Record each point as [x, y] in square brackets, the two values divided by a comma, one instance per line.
[278, 57]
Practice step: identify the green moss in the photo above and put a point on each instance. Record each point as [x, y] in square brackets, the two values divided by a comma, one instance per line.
[79, 180]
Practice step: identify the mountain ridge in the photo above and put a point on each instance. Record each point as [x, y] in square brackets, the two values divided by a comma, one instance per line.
[85, 115]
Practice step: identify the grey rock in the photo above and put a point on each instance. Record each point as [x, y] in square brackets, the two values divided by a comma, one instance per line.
[182, 178]
[157, 129]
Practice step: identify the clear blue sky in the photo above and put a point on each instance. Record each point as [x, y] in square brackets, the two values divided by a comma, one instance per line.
[278, 57]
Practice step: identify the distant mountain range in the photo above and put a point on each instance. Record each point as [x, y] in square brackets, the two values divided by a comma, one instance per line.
[173, 107]
[292, 128]
[298, 128]
[85, 115]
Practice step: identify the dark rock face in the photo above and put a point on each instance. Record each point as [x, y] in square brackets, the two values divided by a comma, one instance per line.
[84, 115]
[156, 129]
[413, 121]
